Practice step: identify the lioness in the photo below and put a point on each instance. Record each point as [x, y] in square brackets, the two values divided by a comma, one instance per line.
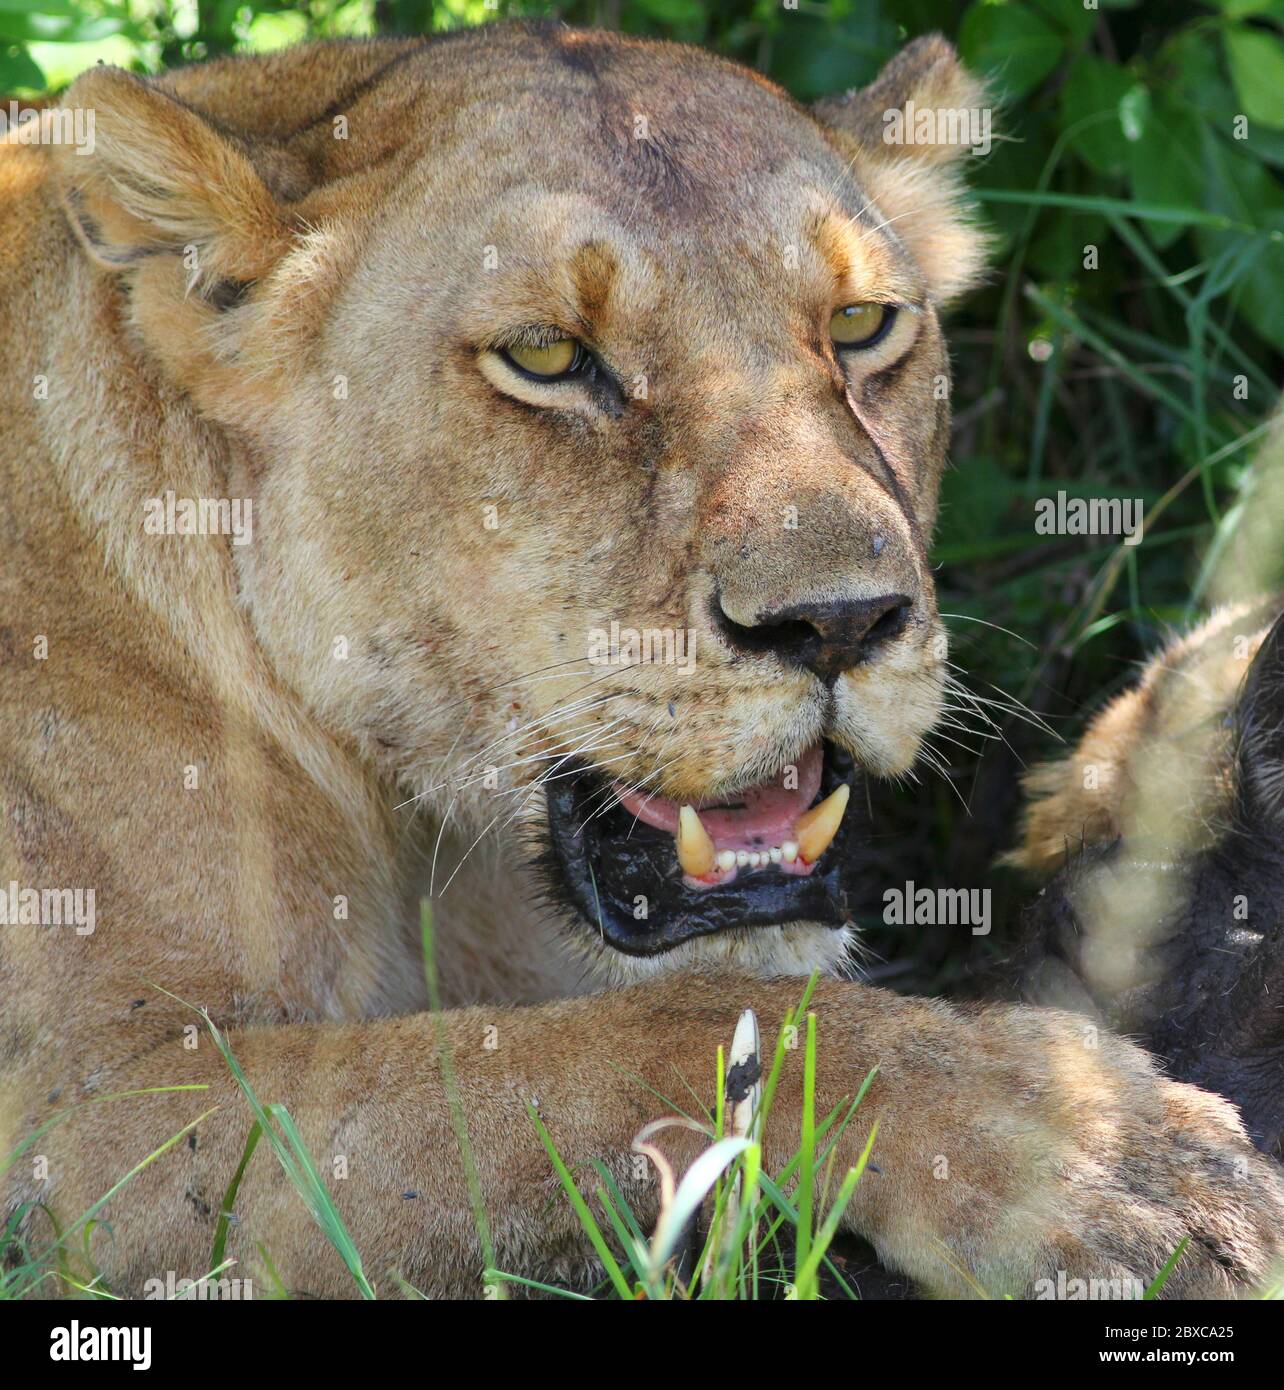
[500, 343]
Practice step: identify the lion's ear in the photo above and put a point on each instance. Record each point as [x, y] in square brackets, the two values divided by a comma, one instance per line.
[159, 179]
[925, 76]
[911, 128]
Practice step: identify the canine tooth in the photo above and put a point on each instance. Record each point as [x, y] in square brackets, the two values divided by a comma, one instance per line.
[816, 828]
[742, 858]
[726, 859]
[789, 851]
[695, 848]
[774, 853]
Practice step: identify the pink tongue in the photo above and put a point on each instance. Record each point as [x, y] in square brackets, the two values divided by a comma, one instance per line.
[762, 816]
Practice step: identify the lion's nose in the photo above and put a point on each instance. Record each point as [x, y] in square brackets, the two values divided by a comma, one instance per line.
[826, 638]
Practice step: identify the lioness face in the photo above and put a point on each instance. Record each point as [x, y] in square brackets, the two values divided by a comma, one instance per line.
[594, 436]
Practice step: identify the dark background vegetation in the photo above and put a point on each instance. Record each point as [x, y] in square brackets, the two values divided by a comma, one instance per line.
[1120, 128]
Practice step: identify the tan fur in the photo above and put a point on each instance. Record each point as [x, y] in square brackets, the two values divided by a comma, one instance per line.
[1155, 760]
[226, 300]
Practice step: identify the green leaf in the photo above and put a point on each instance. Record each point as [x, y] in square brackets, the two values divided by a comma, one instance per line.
[974, 497]
[1091, 103]
[1017, 163]
[688, 15]
[19, 72]
[50, 7]
[828, 55]
[1014, 47]
[922, 16]
[1071, 15]
[1198, 78]
[268, 31]
[1240, 187]
[1165, 166]
[1256, 60]
[1244, 9]
[53, 28]
[1057, 250]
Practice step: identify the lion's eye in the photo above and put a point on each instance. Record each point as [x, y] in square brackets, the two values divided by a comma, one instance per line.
[558, 358]
[861, 325]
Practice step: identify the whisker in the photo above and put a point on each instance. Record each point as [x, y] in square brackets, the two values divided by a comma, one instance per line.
[555, 716]
[1007, 632]
[933, 760]
[555, 751]
[636, 787]
[1009, 704]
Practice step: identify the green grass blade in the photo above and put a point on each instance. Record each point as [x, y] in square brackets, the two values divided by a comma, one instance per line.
[1170, 1264]
[628, 1242]
[279, 1290]
[62, 1116]
[626, 1212]
[806, 1189]
[229, 1197]
[806, 1276]
[454, 1101]
[293, 1156]
[1148, 212]
[121, 1182]
[497, 1276]
[586, 1219]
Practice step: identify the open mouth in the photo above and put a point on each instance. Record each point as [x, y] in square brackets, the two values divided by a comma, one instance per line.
[649, 874]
